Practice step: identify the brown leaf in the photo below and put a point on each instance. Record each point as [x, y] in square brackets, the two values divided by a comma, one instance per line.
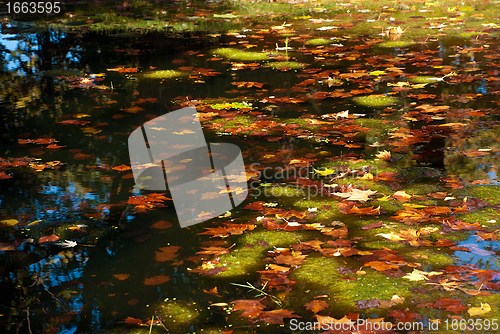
[132, 321]
[121, 277]
[161, 225]
[381, 265]
[316, 305]
[251, 308]
[123, 69]
[156, 280]
[276, 317]
[168, 253]
[294, 260]
[122, 168]
[227, 230]
[48, 238]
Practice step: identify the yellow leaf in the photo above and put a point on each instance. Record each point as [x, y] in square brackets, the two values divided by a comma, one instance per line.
[391, 236]
[401, 196]
[483, 309]
[367, 176]
[324, 172]
[356, 195]
[418, 275]
[414, 206]
[9, 222]
[377, 73]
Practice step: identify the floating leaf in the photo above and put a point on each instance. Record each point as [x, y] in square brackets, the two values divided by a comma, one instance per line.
[156, 280]
[48, 238]
[121, 277]
[478, 311]
[9, 222]
[168, 253]
[316, 305]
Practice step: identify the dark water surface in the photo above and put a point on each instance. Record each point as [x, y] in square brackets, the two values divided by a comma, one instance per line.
[50, 77]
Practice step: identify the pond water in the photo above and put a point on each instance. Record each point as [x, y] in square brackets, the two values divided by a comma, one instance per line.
[69, 101]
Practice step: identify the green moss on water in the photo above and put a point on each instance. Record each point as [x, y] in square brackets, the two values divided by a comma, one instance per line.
[396, 44]
[284, 191]
[378, 129]
[423, 175]
[231, 105]
[318, 41]
[237, 121]
[388, 206]
[487, 217]
[285, 65]
[327, 209]
[377, 165]
[424, 79]
[431, 259]
[422, 188]
[240, 55]
[269, 239]
[376, 101]
[380, 187]
[163, 74]
[247, 257]
[177, 316]
[380, 244]
[320, 275]
[490, 194]
[303, 123]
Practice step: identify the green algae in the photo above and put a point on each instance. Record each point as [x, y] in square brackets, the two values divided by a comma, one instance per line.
[284, 191]
[163, 74]
[318, 41]
[490, 194]
[247, 257]
[487, 217]
[177, 315]
[396, 44]
[376, 101]
[429, 257]
[319, 275]
[231, 105]
[285, 65]
[378, 129]
[424, 79]
[236, 121]
[240, 55]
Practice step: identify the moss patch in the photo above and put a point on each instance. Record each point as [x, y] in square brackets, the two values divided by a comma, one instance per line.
[284, 191]
[318, 41]
[490, 194]
[430, 259]
[378, 129]
[163, 74]
[319, 275]
[395, 44]
[178, 316]
[376, 101]
[487, 217]
[247, 258]
[231, 105]
[240, 55]
[268, 239]
[285, 65]
[425, 79]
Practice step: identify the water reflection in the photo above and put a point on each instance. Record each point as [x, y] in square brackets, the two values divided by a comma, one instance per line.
[86, 199]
